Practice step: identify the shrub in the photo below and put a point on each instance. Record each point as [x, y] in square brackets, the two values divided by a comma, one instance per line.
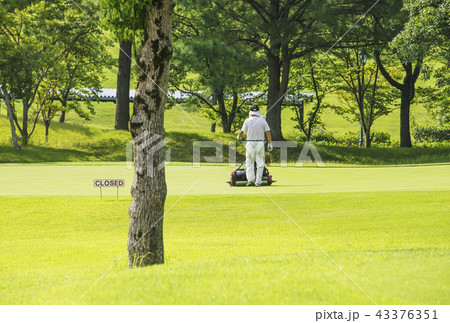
[381, 137]
[324, 137]
[429, 133]
[350, 138]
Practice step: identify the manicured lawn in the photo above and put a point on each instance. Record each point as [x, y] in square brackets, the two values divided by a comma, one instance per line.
[66, 179]
[387, 228]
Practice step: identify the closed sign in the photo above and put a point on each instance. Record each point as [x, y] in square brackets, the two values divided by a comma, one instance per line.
[109, 183]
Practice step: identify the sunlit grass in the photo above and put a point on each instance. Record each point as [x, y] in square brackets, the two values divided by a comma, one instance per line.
[231, 249]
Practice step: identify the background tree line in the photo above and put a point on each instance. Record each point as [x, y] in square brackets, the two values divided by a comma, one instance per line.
[53, 50]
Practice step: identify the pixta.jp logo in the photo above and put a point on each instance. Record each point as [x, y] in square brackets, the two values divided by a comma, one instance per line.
[145, 147]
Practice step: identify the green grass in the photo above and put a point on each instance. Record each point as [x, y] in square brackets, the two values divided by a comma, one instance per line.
[76, 142]
[231, 250]
[77, 180]
[386, 227]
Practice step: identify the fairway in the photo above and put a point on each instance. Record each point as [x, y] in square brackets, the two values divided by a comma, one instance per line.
[333, 235]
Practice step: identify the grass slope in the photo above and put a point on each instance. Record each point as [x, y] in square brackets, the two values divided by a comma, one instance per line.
[231, 250]
[70, 143]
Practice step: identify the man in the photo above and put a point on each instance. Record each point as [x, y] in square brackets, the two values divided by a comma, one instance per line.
[255, 127]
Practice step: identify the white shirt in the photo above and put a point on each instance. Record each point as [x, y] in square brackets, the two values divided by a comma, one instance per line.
[255, 127]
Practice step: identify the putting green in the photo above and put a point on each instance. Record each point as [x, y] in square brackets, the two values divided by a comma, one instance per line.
[77, 180]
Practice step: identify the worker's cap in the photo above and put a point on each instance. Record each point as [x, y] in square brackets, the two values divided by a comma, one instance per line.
[254, 111]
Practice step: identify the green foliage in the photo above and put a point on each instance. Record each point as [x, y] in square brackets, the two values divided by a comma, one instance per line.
[223, 67]
[74, 143]
[48, 44]
[350, 138]
[435, 95]
[125, 18]
[426, 30]
[317, 76]
[432, 133]
[365, 95]
[382, 137]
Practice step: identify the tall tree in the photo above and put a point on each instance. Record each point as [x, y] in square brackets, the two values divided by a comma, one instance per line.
[9, 79]
[223, 67]
[80, 71]
[363, 91]
[427, 34]
[407, 87]
[283, 31]
[37, 35]
[145, 237]
[125, 18]
[26, 54]
[316, 76]
[123, 86]
[386, 27]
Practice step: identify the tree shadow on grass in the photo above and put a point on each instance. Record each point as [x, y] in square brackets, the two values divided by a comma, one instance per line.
[36, 154]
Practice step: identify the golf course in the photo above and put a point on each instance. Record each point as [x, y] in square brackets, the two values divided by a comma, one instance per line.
[248, 152]
[347, 235]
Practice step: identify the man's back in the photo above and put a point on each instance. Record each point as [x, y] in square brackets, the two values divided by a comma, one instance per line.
[255, 127]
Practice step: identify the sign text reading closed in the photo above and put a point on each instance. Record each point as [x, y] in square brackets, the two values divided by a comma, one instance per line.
[109, 183]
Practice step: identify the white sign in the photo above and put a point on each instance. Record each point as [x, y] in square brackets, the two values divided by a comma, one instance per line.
[109, 183]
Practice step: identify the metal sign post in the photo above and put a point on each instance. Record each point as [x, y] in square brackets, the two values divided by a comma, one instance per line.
[109, 183]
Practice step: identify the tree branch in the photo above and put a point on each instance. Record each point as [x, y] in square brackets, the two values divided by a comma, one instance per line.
[198, 96]
[386, 75]
[260, 10]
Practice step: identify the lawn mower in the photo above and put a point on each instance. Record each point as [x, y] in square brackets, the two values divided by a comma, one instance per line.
[239, 175]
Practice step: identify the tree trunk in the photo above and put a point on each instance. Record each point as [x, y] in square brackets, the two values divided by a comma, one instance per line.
[24, 132]
[405, 107]
[367, 138]
[226, 126]
[11, 120]
[273, 115]
[62, 118]
[405, 134]
[145, 236]
[123, 86]
[63, 112]
[47, 126]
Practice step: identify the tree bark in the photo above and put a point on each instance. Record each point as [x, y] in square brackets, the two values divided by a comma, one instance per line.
[226, 125]
[405, 107]
[62, 118]
[11, 121]
[24, 131]
[145, 236]
[123, 86]
[47, 126]
[273, 115]
[367, 138]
